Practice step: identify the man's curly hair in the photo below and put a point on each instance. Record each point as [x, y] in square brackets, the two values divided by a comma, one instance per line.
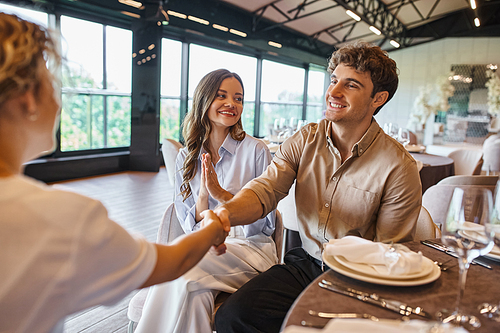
[364, 57]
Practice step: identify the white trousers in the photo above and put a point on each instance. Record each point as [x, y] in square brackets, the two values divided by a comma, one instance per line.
[186, 304]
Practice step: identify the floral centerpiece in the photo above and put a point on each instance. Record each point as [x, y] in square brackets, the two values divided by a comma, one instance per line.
[431, 99]
[493, 85]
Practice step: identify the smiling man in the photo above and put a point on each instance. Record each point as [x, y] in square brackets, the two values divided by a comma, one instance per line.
[351, 179]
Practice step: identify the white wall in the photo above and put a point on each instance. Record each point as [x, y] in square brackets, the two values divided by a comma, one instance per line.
[422, 64]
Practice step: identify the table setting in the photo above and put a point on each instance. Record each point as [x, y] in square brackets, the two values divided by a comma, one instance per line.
[448, 284]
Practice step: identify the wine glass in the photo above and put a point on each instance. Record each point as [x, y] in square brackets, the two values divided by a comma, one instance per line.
[493, 227]
[391, 129]
[404, 136]
[464, 231]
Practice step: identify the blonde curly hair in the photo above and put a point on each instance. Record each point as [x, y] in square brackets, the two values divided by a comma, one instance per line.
[23, 45]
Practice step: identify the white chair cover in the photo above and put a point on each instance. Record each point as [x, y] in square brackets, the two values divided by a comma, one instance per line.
[169, 149]
[467, 161]
[491, 157]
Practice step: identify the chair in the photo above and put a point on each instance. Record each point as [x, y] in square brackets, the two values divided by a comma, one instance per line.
[413, 138]
[170, 229]
[491, 151]
[291, 236]
[437, 199]
[426, 228]
[169, 150]
[469, 180]
[467, 161]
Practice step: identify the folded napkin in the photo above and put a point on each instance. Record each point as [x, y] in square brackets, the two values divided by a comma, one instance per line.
[386, 259]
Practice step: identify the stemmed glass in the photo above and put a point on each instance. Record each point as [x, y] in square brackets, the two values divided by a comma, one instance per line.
[464, 231]
[391, 129]
[404, 136]
[493, 227]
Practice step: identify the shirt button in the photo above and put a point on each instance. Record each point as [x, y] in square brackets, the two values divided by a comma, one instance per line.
[327, 205]
[360, 150]
[334, 179]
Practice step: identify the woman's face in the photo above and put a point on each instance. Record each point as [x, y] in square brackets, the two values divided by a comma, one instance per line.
[227, 106]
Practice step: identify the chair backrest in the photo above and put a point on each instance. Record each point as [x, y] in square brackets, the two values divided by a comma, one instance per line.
[491, 153]
[413, 138]
[169, 150]
[436, 199]
[469, 180]
[278, 236]
[169, 228]
[287, 209]
[467, 161]
[426, 228]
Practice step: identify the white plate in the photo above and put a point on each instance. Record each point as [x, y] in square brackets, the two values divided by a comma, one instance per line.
[427, 266]
[415, 148]
[339, 268]
[474, 235]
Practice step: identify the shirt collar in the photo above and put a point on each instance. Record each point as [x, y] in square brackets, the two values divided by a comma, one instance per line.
[228, 145]
[366, 140]
[362, 145]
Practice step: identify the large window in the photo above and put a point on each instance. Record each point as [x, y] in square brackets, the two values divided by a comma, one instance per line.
[204, 59]
[282, 97]
[97, 74]
[96, 85]
[316, 89]
[171, 66]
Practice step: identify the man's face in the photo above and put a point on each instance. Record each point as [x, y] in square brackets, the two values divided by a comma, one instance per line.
[348, 98]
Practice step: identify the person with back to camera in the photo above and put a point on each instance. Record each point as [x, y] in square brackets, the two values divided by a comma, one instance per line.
[351, 179]
[218, 160]
[60, 251]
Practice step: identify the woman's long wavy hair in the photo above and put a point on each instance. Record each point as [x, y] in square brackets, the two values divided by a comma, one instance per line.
[196, 127]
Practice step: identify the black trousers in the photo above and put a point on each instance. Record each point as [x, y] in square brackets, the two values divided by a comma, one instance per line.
[262, 303]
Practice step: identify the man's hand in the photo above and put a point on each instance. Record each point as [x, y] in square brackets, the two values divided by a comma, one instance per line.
[209, 217]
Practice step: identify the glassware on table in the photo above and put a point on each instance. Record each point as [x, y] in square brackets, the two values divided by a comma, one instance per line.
[493, 310]
[391, 129]
[301, 124]
[404, 136]
[464, 231]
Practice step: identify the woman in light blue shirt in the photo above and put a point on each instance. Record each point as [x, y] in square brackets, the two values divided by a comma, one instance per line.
[218, 160]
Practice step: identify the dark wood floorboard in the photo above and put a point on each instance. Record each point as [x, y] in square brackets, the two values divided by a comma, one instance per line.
[136, 201]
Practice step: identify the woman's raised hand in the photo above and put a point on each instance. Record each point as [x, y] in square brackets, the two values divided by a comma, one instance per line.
[211, 183]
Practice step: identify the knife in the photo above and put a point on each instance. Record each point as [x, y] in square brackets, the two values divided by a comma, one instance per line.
[449, 251]
[374, 299]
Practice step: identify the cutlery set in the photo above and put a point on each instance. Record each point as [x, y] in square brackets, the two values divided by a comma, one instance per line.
[389, 304]
[449, 251]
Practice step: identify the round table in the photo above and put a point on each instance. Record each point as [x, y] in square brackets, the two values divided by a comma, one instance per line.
[482, 286]
[435, 168]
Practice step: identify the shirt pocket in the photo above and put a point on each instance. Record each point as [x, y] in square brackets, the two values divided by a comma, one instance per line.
[357, 206]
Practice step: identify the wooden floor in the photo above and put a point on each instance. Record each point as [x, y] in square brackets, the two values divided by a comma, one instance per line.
[135, 200]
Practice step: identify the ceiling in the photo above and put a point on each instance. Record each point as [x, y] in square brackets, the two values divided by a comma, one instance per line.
[306, 27]
[409, 22]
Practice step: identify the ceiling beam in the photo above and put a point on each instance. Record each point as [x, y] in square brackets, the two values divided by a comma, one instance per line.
[377, 14]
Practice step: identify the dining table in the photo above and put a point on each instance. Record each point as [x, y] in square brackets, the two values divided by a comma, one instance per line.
[434, 168]
[482, 285]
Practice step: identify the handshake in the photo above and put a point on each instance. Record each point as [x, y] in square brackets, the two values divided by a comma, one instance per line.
[217, 220]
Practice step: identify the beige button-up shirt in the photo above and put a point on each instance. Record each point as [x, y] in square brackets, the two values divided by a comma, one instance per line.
[375, 194]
